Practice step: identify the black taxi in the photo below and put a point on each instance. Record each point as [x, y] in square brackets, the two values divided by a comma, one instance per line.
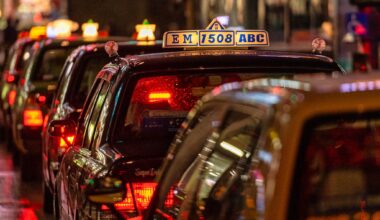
[18, 56]
[74, 83]
[133, 111]
[276, 149]
[34, 92]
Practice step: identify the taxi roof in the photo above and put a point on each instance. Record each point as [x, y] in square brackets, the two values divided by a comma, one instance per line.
[317, 95]
[212, 59]
[98, 47]
[73, 41]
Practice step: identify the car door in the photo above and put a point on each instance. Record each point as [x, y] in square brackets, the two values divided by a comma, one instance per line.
[78, 156]
[217, 157]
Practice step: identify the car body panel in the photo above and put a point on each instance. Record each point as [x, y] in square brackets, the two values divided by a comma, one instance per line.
[121, 76]
[295, 104]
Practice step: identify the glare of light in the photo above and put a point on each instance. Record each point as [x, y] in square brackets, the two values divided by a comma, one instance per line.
[231, 148]
[360, 86]
[265, 156]
[224, 20]
[90, 29]
[258, 97]
[61, 28]
[26, 56]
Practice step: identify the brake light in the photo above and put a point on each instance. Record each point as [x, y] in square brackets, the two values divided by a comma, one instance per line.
[41, 99]
[33, 117]
[143, 193]
[159, 96]
[12, 97]
[62, 142]
[10, 78]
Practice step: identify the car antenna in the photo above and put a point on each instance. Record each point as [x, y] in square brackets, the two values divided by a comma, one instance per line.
[112, 48]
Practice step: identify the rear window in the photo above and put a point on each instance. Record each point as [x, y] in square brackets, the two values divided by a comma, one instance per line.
[159, 105]
[51, 63]
[339, 168]
[79, 88]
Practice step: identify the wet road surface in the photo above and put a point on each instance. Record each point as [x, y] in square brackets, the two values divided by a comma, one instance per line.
[18, 200]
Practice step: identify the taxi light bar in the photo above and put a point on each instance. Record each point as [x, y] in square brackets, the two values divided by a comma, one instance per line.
[61, 28]
[62, 142]
[37, 32]
[215, 35]
[145, 31]
[33, 117]
[143, 193]
[159, 96]
[90, 29]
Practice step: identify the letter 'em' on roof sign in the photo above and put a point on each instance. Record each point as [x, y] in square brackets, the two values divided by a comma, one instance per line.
[215, 35]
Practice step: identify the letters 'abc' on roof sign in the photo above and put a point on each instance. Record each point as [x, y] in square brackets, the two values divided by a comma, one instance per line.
[215, 35]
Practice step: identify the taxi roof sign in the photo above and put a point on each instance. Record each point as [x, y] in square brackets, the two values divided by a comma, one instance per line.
[215, 35]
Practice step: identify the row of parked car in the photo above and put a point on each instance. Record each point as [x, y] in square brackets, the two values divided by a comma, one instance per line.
[131, 130]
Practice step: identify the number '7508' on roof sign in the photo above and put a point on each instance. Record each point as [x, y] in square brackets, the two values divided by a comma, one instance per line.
[215, 35]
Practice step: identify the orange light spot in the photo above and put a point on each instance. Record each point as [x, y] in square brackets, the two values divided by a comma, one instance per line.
[62, 142]
[12, 97]
[33, 117]
[159, 96]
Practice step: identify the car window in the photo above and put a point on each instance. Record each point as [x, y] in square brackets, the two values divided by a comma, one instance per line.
[63, 83]
[11, 58]
[90, 116]
[83, 80]
[338, 169]
[93, 119]
[202, 187]
[25, 56]
[217, 157]
[101, 123]
[51, 64]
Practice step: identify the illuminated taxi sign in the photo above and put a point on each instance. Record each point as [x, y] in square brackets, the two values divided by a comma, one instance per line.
[90, 29]
[61, 28]
[215, 35]
[37, 32]
[145, 31]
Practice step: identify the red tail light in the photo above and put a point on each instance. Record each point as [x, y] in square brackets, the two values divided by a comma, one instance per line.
[143, 193]
[33, 117]
[41, 99]
[62, 142]
[10, 78]
[12, 97]
[159, 96]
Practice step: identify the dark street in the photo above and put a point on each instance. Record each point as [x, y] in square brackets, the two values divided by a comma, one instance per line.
[18, 201]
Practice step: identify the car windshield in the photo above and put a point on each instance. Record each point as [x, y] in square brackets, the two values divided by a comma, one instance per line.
[339, 169]
[50, 65]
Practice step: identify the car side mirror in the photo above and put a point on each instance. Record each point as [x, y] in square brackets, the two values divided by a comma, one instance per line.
[105, 190]
[62, 128]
